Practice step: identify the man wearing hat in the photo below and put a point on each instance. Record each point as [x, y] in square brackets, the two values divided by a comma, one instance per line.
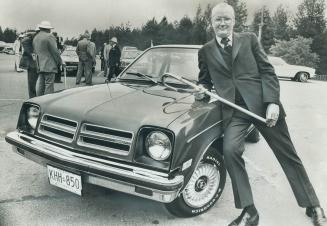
[114, 59]
[47, 57]
[86, 55]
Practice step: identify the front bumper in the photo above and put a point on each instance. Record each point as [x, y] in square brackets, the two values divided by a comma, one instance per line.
[106, 173]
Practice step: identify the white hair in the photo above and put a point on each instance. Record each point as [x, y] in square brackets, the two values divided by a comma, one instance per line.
[222, 5]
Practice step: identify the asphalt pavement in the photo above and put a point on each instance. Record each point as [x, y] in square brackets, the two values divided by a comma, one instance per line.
[27, 198]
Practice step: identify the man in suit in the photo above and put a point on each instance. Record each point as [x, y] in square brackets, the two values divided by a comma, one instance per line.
[236, 65]
[114, 59]
[27, 62]
[86, 55]
[48, 57]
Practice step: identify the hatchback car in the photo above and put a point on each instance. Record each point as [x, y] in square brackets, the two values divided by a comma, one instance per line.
[134, 135]
[293, 72]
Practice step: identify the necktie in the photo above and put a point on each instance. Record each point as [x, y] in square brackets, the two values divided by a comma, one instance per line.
[225, 42]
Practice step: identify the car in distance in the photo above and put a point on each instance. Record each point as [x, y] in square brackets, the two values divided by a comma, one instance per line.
[70, 58]
[293, 72]
[8, 50]
[134, 134]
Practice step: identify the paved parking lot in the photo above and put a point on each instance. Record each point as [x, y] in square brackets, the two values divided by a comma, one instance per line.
[26, 198]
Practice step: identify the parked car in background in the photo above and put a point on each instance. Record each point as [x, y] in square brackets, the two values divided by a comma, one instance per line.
[8, 50]
[69, 56]
[135, 134]
[294, 72]
[128, 55]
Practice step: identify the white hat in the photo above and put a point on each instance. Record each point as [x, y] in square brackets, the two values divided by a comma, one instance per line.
[45, 24]
[114, 39]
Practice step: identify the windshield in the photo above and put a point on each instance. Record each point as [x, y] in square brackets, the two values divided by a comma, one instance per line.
[158, 61]
[276, 61]
[69, 53]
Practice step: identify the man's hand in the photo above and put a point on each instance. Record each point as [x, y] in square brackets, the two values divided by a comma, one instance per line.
[199, 95]
[272, 114]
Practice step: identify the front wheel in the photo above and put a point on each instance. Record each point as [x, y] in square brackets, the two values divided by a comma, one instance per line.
[203, 189]
[302, 77]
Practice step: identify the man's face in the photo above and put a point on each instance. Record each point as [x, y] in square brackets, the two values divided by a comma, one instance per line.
[223, 21]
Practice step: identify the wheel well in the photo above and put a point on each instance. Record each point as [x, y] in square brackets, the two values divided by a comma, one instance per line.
[305, 72]
[218, 144]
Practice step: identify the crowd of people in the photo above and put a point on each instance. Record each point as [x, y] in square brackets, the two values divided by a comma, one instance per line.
[41, 57]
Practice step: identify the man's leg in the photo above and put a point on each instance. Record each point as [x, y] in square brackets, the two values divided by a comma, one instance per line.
[233, 148]
[49, 82]
[88, 72]
[111, 72]
[278, 138]
[41, 83]
[32, 77]
[80, 71]
[105, 70]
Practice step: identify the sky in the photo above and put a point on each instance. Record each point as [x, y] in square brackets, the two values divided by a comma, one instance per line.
[70, 18]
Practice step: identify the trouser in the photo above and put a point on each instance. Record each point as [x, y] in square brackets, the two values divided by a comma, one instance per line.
[32, 77]
[113, 70]
[102, 64]
[105, 69]
[84, 67]
[279, 140]
[46, 83]
[58, 75]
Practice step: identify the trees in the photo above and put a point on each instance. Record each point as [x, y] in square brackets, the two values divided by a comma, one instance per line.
[296, 51]
[267, 37]
[241, 14]
[310, 18]
[280, 24]
[9, 35]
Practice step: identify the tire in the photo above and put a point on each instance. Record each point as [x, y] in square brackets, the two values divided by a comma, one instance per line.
[203, 189]
[302, 77]
[253, 136]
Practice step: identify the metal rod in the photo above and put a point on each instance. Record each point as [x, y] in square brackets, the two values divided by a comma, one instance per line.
[213, 95]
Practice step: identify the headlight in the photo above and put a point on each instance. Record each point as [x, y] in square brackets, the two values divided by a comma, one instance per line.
[32, 116]
[158, 145]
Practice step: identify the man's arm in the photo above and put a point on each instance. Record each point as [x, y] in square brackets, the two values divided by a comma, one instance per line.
[270, 83]
[204, 76]
[52, 45]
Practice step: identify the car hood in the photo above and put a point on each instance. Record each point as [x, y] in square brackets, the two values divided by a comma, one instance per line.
[70, 59]
[117, 105]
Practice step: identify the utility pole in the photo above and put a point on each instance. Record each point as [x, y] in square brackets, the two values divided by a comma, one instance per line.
[261, 25]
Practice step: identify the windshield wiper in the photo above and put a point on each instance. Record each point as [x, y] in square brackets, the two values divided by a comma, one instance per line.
[138, 74]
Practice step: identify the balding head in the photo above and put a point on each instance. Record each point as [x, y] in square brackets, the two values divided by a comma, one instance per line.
[223, 19]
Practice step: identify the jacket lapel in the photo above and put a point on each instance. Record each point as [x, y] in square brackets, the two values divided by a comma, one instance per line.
[236, 45]
[215, 53]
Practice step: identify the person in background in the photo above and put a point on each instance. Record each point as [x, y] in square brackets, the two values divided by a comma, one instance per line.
[114, 59]
[106, 51]
[102, 57]
[60, 48]
[236, 65]
[27, 62]
[86, 59]
[91, 49]
[47, 58]
[18, 49]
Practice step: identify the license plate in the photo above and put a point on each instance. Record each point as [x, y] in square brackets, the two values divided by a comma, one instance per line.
[65, 180]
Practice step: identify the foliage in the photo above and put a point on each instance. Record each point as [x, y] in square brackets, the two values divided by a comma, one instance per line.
[267, 35]
[310, 19]
[8, 35]
[319, 46]
[280, 24]
[241, 14]
[296, 51]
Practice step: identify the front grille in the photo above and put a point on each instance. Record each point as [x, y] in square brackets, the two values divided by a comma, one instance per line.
[105, 139]
[58, 128]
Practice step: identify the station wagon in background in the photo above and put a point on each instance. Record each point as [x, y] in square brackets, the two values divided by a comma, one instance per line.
[293, 72]
[134, 135]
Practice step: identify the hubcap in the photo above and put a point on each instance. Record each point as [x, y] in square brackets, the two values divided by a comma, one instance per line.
[303, 77]
[202, 186]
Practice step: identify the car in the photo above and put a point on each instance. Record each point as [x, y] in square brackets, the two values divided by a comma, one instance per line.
[127, 56]
[135, 134]
[293, 72]
[8, 50]
[70, 58]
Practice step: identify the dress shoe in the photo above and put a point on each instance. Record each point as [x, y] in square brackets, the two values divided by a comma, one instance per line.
[245, 219]
[58, 81]
[317, 216]
[83, 81]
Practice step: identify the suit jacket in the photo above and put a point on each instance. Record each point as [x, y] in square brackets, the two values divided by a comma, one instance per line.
[85, 50]
[250, 72]
[45, 47]
[27, 61]
[114, 56]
